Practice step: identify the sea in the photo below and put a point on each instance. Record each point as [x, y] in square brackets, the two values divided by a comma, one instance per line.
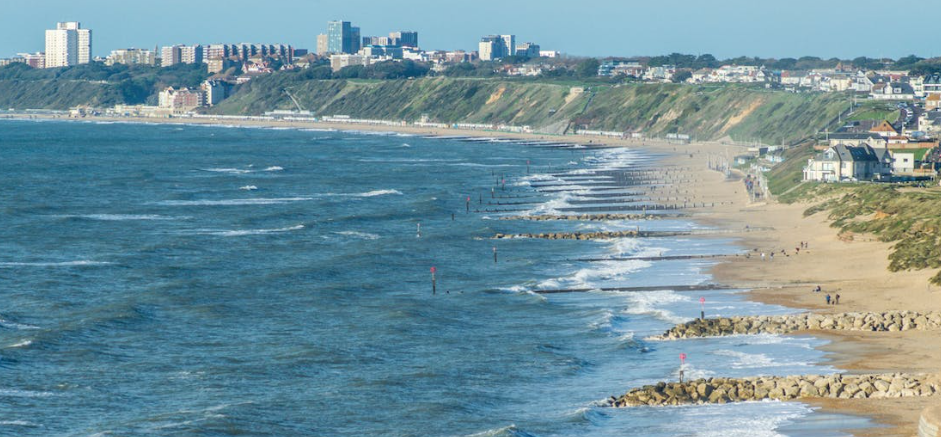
[183, 280]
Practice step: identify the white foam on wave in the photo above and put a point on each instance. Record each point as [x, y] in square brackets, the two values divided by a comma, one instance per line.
[14, 325]
[274, 168]
[234, 202]
[652, 303]
[19, 344]
[504, 431]
[746, 419]
[742, 360]
[18, 423]
[375, 193]
[79, 263]
[228, 170]
[361, 235]
[15, 393]
[122, 217]
[248, 188]
[244, 232]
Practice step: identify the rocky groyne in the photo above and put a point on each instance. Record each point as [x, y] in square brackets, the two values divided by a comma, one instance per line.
[889, 321]
[724, 390]
[599, 235]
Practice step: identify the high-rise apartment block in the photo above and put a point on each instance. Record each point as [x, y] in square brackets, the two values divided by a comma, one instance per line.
[68, 44]
[492, 47]
[509, 41]
[131, 57]
[323, 45]
[343, 37]
[404, 38]
[180, 54]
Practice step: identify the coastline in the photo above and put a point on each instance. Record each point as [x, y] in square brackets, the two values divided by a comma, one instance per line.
[857, 269]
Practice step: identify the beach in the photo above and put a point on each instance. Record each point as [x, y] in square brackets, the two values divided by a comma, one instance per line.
[856, 269]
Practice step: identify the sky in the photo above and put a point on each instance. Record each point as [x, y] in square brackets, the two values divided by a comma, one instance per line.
[723, 28]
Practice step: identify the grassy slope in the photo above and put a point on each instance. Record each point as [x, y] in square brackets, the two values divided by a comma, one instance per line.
[56, 94]
[790, 173]
[704, 112]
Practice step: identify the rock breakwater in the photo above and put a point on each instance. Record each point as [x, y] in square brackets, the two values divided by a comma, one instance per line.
[725, 390]
[890, 321]
[599, 235]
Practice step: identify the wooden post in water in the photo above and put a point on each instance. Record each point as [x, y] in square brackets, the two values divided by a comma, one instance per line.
[494, 254]
[434, 284]
[467, 204]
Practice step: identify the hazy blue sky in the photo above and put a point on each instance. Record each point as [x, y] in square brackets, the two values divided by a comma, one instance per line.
[725, 28]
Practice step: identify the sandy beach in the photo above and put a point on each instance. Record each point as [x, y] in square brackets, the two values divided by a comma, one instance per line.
[855, 269]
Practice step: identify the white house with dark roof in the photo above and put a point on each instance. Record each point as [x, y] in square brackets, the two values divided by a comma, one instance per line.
[848, 163]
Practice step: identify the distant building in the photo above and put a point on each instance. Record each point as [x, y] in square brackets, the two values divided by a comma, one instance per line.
[404, 38]
[528, 49]
[181, 100]
[180, 54]
[215, 92]
[131, 57]
[35, 60]
[217, 65]
[848, 163]
[549, 54]
[492, 47]
[509, 41]
[323, 46]
[339, 62]
[343, 37]
[68, 44]
[394, 52]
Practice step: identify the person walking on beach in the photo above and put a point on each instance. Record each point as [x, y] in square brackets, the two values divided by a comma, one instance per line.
[772, 256]
[762, 256]
[836, 300]
[828, 298]
[817, 290]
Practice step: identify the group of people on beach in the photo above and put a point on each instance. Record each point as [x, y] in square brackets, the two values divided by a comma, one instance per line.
[797, 251]
[835, 300]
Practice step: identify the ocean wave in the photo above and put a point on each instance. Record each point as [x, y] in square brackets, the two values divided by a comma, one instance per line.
[506, 431]
[122, 217]
[274, 168]
[240, 171]
[742, 360]
[14, 325]
[244, 232]
[649, 303]
[18, 423]
[15, 393]
[19, 344]
[357, 234]
[234, 202]
[79, 263]
[375, 193]
[248, 188]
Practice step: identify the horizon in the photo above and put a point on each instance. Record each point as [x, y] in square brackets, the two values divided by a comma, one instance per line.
[823, 35]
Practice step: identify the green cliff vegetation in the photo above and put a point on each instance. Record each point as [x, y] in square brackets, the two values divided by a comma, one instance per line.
[705, 112]
[95, 84]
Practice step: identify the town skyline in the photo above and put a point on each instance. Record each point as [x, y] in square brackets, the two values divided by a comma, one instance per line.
[725, 31]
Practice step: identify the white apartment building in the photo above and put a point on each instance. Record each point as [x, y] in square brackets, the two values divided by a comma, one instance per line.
[131, 57]
[68, 44]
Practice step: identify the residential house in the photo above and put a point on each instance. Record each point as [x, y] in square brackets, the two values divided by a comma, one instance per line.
[884, 129]
[892, 91]
[846, 163]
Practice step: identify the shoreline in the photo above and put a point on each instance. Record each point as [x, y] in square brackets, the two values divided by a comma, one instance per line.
[777, 227]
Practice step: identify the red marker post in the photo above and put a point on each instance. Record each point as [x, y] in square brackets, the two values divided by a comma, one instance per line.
[503, 184]
[467, 204]
[494, 254]
[682, 364]
[702, 308]
[434, 285]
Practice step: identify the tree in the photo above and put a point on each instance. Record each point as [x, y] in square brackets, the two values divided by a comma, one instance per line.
[682, 76]
[587, 68]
